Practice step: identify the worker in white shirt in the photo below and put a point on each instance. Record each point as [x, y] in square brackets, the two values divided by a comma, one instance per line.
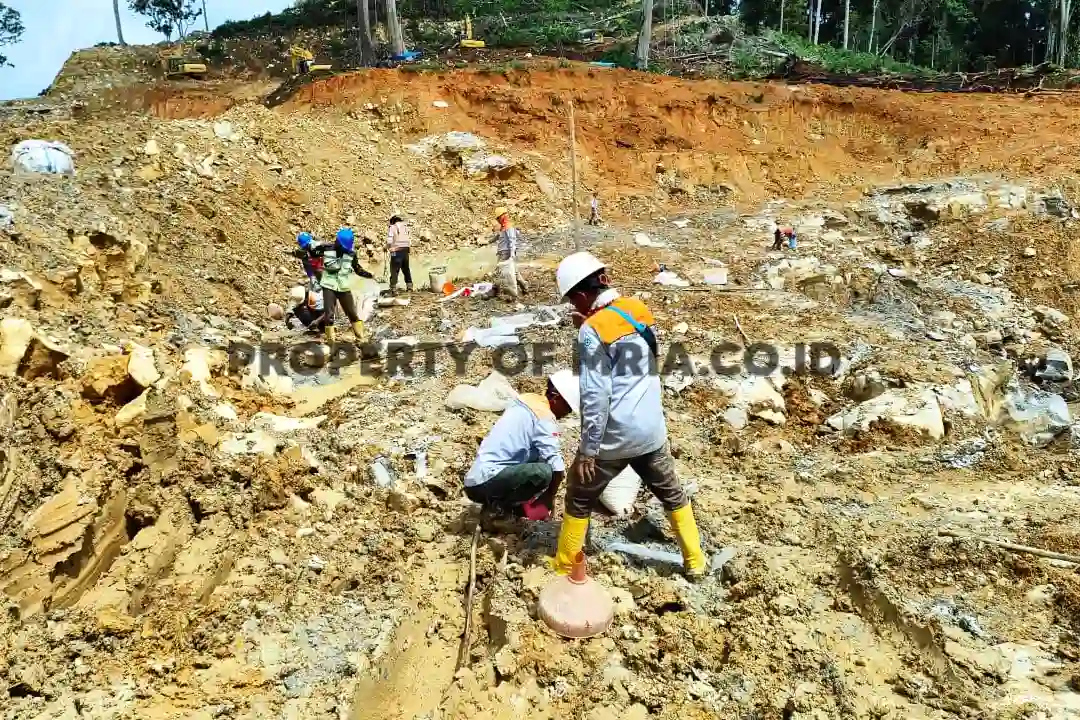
[594, 211]
[397, 245]
[507, 240]
[622, 418]
[519, 466]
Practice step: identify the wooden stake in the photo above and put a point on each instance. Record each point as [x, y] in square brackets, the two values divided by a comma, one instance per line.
[573, 175]
[463, 649]
[738, 326]
[1013, 547]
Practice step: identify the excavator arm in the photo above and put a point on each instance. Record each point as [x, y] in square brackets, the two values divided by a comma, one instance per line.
[299, 56]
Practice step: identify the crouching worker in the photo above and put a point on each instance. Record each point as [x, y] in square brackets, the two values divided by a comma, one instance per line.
[519, 465]
[307, 310]
[622, 416]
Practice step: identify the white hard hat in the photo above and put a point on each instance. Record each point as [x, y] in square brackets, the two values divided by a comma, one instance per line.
[575, 268]
[298, 294]
[566, 382]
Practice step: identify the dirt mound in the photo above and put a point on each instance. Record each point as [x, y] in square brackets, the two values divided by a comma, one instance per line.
[758, 139]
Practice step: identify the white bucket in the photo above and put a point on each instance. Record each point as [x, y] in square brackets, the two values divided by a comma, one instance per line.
[437, 279]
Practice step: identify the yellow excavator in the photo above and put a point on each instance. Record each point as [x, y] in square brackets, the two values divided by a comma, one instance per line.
[591, 37]
[303, 61]
[176, 64]
[469, 41]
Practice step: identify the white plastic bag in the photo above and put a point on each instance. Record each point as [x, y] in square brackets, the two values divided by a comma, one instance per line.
[42, 156]
[620, 494]
[508, 276]
[493, 394]
[670, 279]
[499, 336]
[716, 277]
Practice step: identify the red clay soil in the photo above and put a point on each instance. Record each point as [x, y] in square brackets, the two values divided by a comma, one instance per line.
[761, 139]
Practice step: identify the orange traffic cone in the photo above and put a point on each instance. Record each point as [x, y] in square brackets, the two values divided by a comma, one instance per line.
[575, 605]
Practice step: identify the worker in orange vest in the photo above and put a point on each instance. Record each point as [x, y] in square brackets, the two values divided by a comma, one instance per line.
[622, 414]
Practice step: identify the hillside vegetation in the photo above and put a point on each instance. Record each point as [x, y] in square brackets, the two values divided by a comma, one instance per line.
[908, 36]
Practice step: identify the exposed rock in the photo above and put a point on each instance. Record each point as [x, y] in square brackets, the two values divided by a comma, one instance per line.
[752, 396]
[141, 365]
[916, 409]
[25, 353]
[736, 417]
[1010, 197]
[1055, 365]
[107, 380]
[1051, 321]
[864, 386]
[133, 411]
[253, 443]
[402, 502]
[951, 207]
[1037, 416]
[282, 425]
[196, 369]
[19, 289]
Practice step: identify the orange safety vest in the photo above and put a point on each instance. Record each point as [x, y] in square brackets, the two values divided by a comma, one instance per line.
[612, 326]
[538, 404]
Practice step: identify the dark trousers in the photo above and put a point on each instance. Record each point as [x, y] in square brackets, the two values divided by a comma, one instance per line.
[399, 261]
[332, 297]
[656, 470]
[513, 486]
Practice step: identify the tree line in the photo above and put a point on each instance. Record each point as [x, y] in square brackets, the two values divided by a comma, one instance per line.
[947, 35]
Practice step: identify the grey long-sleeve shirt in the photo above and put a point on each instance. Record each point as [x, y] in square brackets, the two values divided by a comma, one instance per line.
[507, 244]
[622, 415]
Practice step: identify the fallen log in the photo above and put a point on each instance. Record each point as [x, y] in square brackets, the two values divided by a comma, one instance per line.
[1041, 78]
[1013, 547]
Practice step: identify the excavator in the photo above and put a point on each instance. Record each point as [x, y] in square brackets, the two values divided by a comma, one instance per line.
[591, 37]
[303, 61]
[469, 41]
[177, 64]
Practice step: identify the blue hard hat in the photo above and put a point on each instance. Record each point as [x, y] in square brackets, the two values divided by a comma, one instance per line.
[345, 238]
[304, 239]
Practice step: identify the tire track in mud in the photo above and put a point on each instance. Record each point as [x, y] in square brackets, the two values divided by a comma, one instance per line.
[921, 643]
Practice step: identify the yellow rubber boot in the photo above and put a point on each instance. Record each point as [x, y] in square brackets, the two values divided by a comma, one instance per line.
[571, 541]
[358, 330]
[682, 522]
[331, 334]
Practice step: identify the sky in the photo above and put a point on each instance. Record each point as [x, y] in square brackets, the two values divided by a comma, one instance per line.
[56, 28]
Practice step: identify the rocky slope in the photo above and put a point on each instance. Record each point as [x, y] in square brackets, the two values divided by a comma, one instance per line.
[186, 535]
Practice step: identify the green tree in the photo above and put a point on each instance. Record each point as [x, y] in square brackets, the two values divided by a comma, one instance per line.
[11, 29]
[168, 16]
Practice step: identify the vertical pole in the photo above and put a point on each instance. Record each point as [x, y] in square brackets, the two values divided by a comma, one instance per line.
[644, 36]
[847, 21]
[573, 176]
[206, 20]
